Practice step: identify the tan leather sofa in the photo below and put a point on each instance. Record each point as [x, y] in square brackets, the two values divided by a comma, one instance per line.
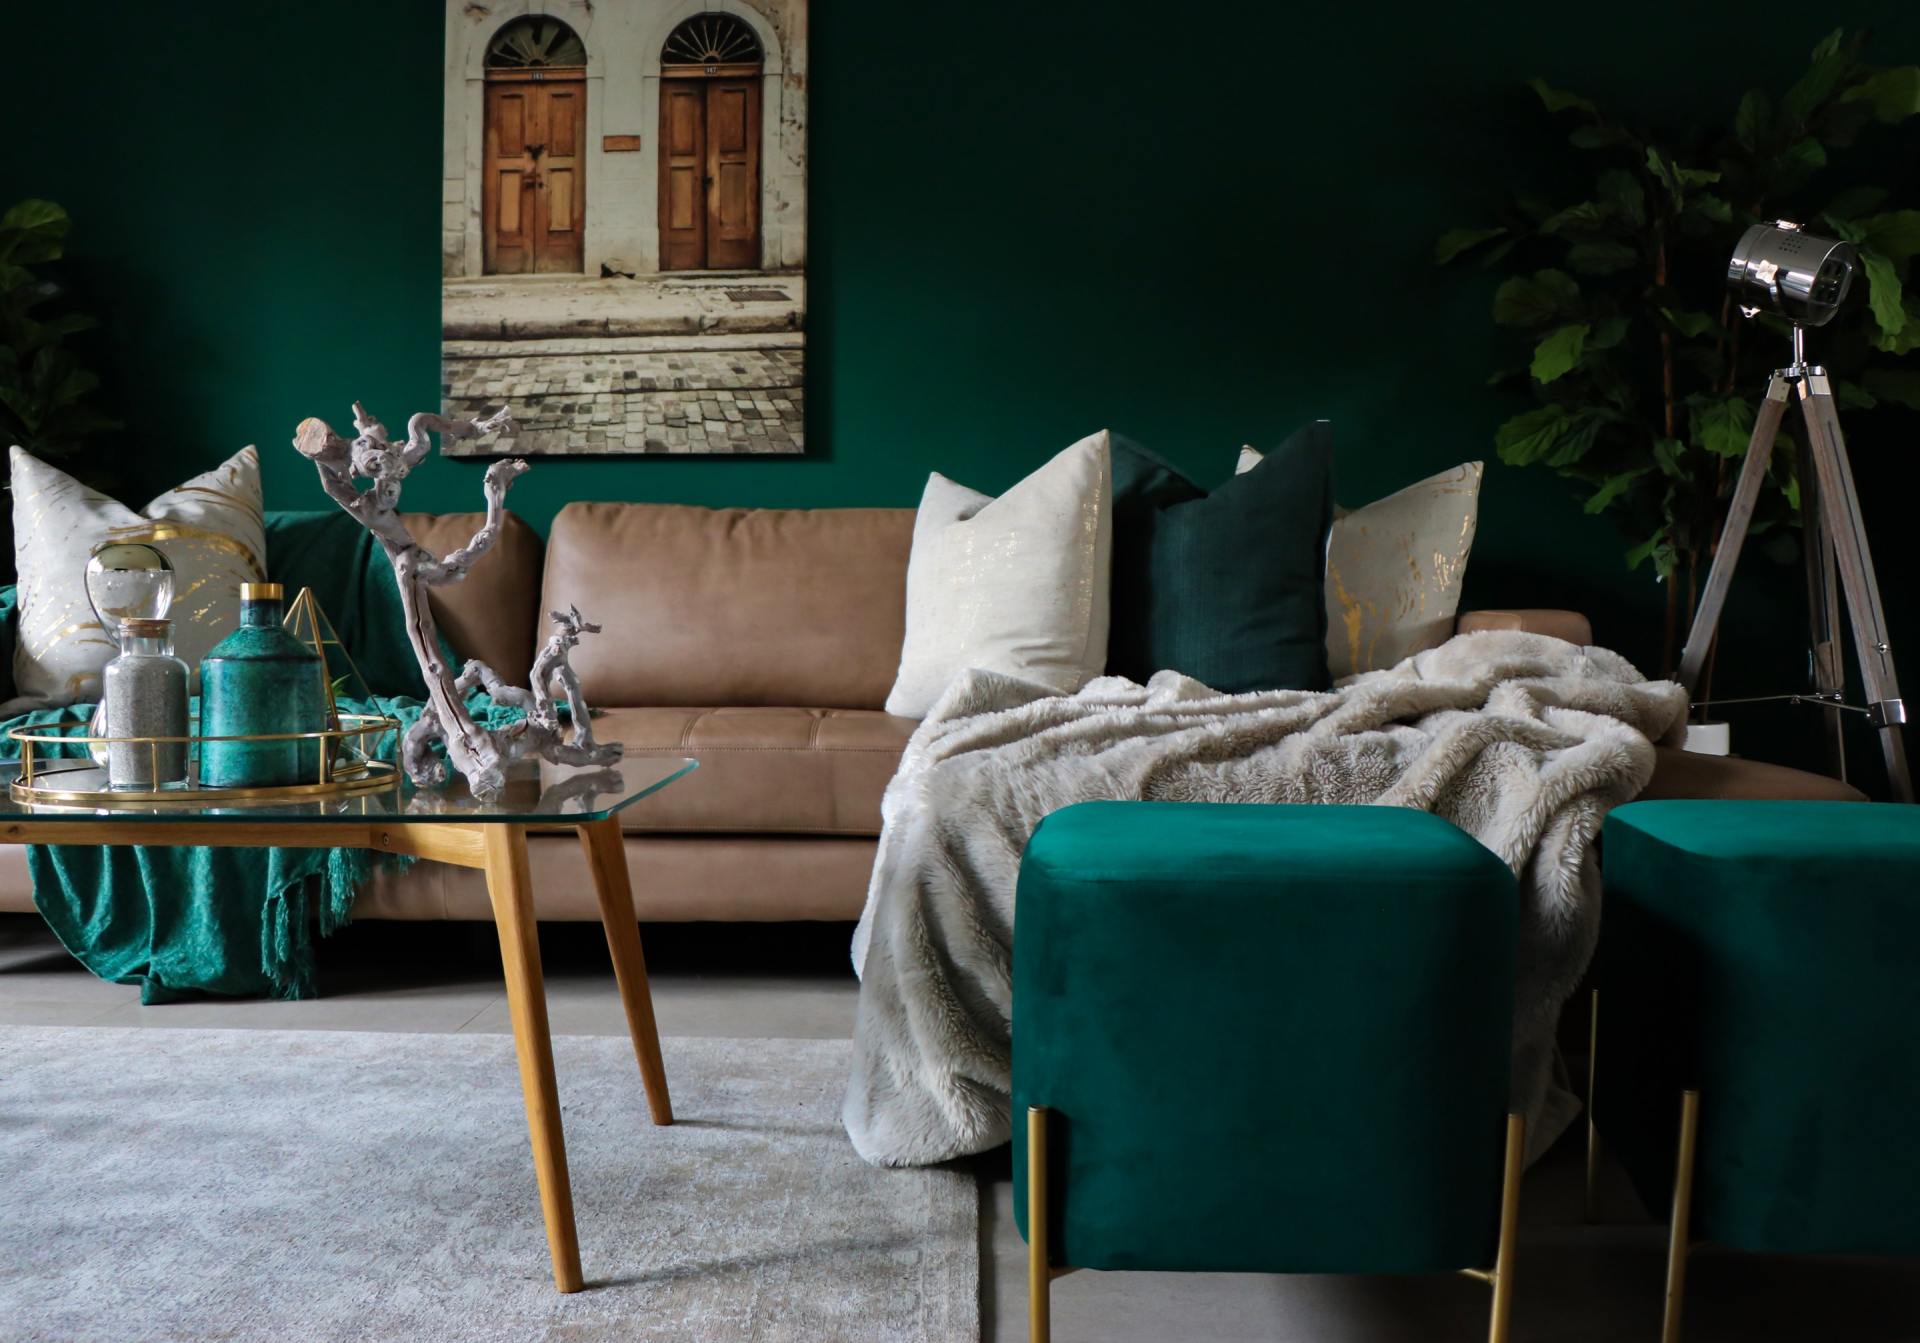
[763, 642]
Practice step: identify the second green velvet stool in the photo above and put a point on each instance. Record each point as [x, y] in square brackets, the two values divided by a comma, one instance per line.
[1263, 1039]
[1757, 1051]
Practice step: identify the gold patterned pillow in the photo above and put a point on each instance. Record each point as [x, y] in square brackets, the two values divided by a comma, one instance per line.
[1394, 569]
[211, 529]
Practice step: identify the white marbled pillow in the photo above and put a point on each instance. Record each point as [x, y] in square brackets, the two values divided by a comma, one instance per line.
[1017, 584]
[212, 530]
[1394, 569]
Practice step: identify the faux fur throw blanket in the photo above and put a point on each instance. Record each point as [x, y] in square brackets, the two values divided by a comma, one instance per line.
[1524, 741]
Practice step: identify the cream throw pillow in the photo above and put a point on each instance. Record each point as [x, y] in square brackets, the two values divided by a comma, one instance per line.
[212, 529]
[1394, 569]
[1016, 584]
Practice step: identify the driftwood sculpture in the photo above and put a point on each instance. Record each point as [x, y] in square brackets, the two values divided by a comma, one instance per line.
[480, 754]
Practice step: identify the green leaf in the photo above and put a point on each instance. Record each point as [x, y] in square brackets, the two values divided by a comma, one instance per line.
[1709, 206]
[1852, 396]
[1535, 300]
[1585, 217]
[1560, 352]
[34, 216]
[1668, 456]
[1689, 324]
[1854, 202]
[13, 277]
[1550, 434]
[1621, 191]
[1722, 425]
[1595, 137]
[1612, 488]
[1455, 241]
[1895, 234]
[1602, 257]
[1608, 334]
[1898, 385]
[1752, 122]
[1883, 291]
[1815, 87]
[1806, 154]
[1893, 94]
[1558, 100]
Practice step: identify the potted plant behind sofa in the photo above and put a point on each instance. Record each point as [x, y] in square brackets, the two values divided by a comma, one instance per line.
[1645, 374]
[46, 394]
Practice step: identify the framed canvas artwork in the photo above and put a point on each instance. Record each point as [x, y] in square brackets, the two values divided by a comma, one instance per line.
[623, 242]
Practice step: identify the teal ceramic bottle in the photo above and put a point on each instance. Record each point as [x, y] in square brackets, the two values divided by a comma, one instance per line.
[260, 678]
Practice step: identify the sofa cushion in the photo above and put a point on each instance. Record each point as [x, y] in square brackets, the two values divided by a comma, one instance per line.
[494, 614]
[764, 770]
[733, 606]
[1227, 587]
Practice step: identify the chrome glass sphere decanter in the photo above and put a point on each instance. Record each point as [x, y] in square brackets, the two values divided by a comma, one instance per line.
[126, 580]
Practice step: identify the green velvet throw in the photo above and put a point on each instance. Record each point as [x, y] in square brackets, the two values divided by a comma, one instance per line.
[185, 921]
[236, 922]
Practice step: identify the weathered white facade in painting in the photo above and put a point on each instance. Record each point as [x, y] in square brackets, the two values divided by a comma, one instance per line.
[619, 170]
[623, 242]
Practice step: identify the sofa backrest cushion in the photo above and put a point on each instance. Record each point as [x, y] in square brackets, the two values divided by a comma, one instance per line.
[703, 606]
[494, 614]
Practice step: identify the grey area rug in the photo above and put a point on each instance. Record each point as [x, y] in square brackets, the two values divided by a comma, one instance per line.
[252, 1185]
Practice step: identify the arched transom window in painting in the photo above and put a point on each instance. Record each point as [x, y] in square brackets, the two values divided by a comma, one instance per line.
[710, 41]
[535, 43]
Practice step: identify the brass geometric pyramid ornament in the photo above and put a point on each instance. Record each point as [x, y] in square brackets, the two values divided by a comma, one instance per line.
[309, 624]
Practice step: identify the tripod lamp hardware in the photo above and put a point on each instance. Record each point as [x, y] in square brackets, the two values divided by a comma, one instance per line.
[1781, 269]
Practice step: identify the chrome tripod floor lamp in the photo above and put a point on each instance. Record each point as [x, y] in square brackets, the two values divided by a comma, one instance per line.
[1781, 268]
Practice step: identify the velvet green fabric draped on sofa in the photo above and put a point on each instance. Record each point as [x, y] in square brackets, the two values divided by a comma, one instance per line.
[236, 922]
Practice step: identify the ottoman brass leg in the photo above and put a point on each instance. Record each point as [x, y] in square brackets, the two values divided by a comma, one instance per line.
[1501, 1322]
[1681, 1231]
[1593, 1133]
[1039, 1274]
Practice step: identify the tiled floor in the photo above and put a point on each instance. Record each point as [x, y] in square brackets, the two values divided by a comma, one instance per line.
[1575, 1283]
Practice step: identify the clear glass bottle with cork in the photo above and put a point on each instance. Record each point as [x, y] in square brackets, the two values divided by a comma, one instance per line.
[144, 694]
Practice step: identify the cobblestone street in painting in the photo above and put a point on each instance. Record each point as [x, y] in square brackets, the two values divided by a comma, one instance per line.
[707, 363]
[653, 394]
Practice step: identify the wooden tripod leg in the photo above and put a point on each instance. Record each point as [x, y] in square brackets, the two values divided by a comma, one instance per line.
[1823, 609]
[510, 887]
[1840, 506]
[1753, 473]
[607, 859]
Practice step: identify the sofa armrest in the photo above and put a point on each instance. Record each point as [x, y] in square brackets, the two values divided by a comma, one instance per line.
[1568, 625]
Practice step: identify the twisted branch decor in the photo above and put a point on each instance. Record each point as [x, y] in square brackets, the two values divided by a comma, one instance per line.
[480, 754]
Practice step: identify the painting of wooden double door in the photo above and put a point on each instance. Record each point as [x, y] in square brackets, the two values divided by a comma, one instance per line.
[534, 188]
[710, 173]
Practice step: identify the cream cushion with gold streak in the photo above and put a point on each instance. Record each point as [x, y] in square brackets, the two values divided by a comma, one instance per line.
[211, 529]
[1394, 569]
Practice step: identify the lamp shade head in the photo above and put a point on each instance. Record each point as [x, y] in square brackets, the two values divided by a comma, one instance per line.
[1782, 269]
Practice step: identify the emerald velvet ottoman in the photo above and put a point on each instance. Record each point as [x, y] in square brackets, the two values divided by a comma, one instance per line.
[1757, 1044]
[1266, 1039]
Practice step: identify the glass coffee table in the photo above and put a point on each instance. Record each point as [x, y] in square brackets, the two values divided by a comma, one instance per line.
[448, 825]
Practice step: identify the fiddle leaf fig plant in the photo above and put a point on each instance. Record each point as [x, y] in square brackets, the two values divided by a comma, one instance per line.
[45, 392]
[1645, 375]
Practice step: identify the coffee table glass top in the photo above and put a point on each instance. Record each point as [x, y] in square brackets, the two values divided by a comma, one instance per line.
[536, 793]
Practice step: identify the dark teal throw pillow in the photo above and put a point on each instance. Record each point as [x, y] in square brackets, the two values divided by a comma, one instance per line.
[1229, 587]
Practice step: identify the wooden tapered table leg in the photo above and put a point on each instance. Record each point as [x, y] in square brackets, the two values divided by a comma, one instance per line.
[510, 887]
[607, 860]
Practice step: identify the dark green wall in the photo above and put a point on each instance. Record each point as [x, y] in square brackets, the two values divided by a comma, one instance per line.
[1198, 225]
